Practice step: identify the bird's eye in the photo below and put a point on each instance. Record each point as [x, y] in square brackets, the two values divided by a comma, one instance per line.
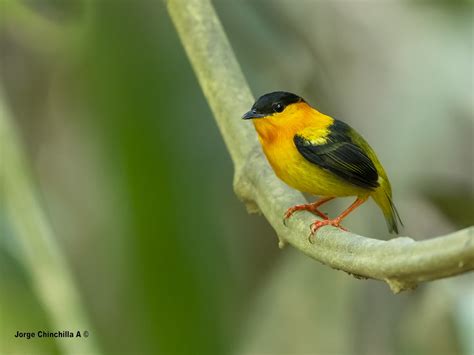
[278, 107]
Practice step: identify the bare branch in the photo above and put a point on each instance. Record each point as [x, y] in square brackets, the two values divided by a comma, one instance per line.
[401, 262]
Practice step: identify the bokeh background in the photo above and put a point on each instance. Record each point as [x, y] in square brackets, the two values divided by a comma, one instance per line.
[133, 175]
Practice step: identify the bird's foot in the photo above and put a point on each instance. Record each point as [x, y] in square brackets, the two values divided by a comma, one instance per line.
[327, 222]
[310, 207]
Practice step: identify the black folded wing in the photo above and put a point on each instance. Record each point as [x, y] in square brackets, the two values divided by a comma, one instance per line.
[340, 155]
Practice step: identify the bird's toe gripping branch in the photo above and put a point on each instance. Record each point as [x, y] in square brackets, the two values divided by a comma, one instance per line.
[327, 222]
[310, 207]
[336, 221]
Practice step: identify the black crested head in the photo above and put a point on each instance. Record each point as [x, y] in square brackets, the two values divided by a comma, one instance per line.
[271, 103]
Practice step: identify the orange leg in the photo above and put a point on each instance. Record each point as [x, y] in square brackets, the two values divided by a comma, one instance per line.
[336, 221]
[311, 207]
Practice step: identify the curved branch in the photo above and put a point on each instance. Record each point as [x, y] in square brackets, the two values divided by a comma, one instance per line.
[401, 262]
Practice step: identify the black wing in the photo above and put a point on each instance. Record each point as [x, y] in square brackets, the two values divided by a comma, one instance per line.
[340, 155]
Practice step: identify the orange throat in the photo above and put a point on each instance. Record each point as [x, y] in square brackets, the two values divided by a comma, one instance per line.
[286, 124]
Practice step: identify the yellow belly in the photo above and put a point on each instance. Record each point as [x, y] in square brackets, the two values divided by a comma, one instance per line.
[291, 167]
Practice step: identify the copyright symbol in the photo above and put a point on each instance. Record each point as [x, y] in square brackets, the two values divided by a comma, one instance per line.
[86, 333]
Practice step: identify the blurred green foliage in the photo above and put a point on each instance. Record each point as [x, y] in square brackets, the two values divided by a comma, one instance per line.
[159, 145]
[20, 311]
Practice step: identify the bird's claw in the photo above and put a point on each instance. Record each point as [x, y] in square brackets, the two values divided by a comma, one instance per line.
[307, 207]
[289, 212]
[327, 222]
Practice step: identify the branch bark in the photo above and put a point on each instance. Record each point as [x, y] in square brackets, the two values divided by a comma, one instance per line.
[401, 262]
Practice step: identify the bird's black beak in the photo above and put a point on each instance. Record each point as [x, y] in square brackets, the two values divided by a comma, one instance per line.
[251, 115]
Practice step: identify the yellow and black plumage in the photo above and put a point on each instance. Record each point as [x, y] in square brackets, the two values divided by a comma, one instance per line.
[320, 155]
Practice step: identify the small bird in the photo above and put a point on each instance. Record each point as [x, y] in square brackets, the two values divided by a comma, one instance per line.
[319, 155]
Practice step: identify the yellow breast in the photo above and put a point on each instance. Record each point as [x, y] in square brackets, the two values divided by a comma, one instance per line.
[276, 136]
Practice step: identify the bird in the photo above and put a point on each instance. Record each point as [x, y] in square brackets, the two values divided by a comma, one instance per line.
[322, 156]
